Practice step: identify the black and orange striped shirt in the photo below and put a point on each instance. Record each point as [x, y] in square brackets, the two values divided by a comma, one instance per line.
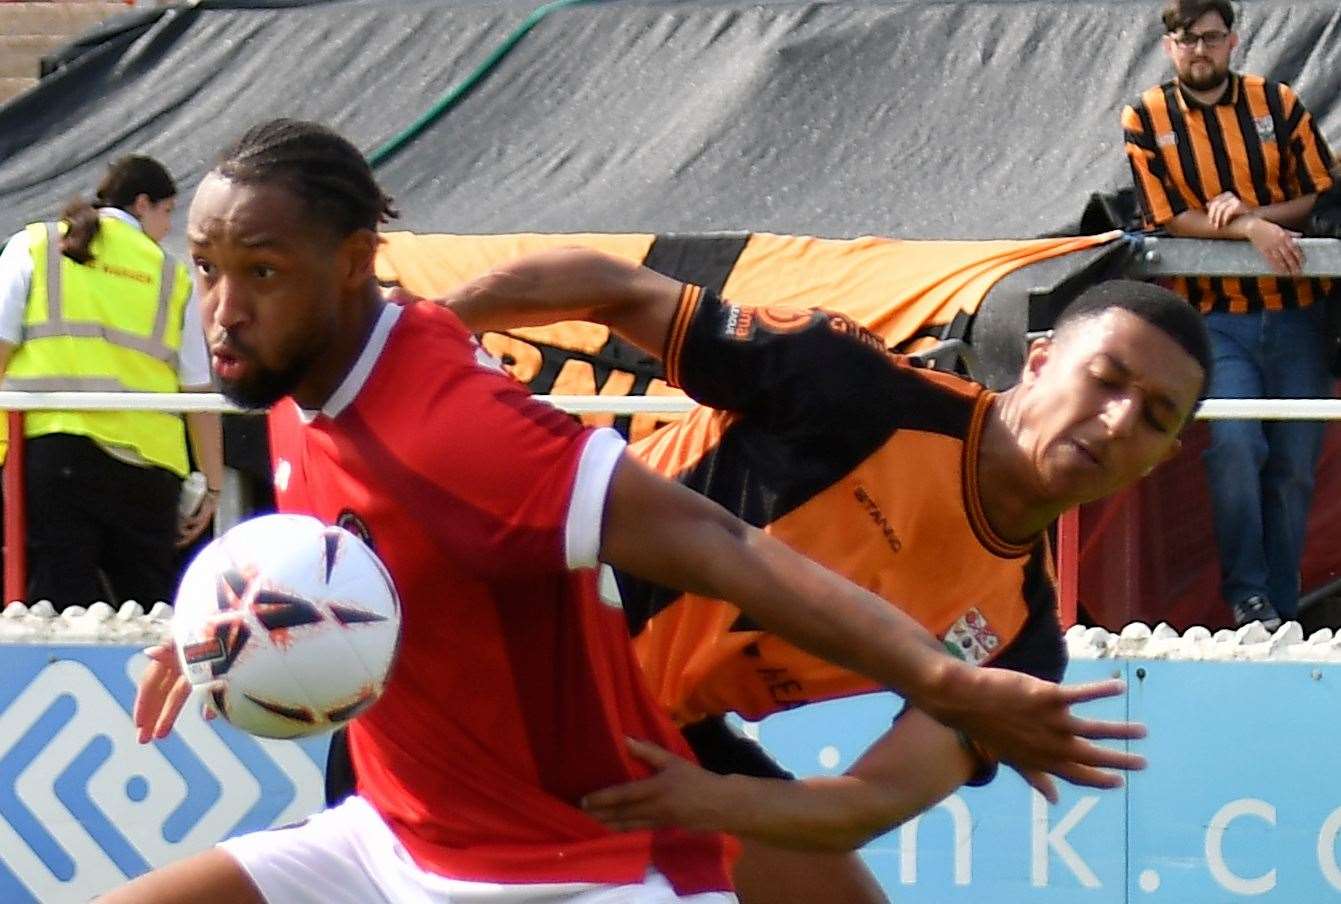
[857, 459]
[1258, 141]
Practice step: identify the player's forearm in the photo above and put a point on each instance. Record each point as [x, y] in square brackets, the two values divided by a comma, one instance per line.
[829, 616]
[818, 814]
[912, 767]
[571, 284]
[691, 544]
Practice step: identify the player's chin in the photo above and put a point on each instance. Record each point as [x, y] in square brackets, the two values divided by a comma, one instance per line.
[1078, 485]
[248, 392]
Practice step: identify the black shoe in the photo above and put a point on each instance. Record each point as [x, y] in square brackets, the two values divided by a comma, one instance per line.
[1256, 608]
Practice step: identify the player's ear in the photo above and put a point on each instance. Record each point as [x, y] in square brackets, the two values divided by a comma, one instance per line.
[358, 256]
[1037, 356]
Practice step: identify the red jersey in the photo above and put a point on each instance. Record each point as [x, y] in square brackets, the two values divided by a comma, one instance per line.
[514, 686]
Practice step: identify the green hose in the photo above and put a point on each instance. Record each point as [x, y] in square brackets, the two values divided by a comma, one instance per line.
[457, 92]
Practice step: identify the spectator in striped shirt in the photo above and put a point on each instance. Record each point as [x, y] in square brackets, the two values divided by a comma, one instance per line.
[1218, 154]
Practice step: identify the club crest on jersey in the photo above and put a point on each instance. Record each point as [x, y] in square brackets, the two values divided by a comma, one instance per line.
[971, 638]
[1266, 128]
[354, 524]
[739, 323]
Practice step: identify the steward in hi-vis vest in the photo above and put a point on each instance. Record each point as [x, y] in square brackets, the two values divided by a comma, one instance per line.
[92, 303]
[112, 325]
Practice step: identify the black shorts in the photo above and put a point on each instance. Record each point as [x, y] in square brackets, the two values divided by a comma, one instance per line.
[718, 746]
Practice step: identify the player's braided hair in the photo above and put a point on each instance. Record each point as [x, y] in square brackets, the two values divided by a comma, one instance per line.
[320, 166]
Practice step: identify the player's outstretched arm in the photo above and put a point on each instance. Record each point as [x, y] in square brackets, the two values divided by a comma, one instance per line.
[571, 284]
[908, 769]
[666, 533]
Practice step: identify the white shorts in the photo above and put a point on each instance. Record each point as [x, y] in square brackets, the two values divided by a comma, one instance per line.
[348, 855]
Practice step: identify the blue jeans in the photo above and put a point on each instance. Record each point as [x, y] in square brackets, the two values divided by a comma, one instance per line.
[1261, 472]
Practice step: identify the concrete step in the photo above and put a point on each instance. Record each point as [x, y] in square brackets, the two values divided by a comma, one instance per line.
[60, 18]
[30, 29]
[21, 55]
[12, 87]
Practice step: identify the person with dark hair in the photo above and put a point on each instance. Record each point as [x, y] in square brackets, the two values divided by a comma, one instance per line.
[515, 686]
[1218, 154]
[93, 302]
[925, 487]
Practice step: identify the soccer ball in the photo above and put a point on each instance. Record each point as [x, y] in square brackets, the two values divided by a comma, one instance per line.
[290, 623]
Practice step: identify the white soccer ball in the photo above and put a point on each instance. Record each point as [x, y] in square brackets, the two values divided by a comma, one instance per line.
[291, 623]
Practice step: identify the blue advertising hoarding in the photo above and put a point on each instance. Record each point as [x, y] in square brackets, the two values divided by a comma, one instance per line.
[83, 805]
[1238, 803]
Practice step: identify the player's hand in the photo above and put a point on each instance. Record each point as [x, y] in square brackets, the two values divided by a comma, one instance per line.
[1225, 208]
[1278, 245]
[191, 527]
[1028, 724]
[162, 693]
[680, 794]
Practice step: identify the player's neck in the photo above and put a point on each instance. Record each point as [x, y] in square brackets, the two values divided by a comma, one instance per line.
[1015, 506]
[338, 358]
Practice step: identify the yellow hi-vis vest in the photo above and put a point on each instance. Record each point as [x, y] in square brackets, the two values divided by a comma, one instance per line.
[111, 325]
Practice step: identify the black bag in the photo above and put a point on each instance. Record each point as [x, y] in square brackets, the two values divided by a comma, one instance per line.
[1333, 303]
[1111, 210]
[1325, 223]
[1325, 220]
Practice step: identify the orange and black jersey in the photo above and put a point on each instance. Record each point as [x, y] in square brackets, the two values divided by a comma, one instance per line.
[1258, 141]
[812, 431]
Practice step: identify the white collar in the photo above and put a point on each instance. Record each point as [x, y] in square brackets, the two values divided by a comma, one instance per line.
[116, 213]
[353, 382]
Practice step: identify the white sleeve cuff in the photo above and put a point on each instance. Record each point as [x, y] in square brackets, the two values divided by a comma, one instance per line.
[586, 507]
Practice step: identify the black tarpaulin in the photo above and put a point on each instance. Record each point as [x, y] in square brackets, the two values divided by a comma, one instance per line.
[911, 119]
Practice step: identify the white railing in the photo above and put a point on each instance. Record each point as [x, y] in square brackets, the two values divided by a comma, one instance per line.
[1211, 409]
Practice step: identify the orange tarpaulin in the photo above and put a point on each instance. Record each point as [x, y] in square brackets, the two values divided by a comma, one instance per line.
[893, 287]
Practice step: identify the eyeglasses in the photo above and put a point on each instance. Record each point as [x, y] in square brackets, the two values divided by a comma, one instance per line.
[1190, 39]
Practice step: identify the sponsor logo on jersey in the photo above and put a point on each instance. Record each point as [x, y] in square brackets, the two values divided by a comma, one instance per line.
[739, 323]
[971, 638]
[1166, 139]
[351, 522]
[878, 518]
